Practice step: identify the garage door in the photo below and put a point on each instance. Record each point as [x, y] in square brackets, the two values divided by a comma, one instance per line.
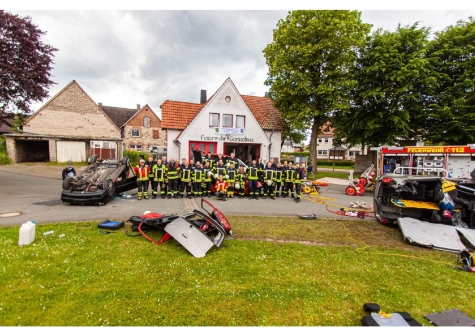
[70, 150]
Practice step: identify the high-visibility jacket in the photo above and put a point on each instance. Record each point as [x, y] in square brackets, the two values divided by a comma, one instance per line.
[186, 174]
[159, 172]
[150, 165]
[253, 173]
[141, 173]
[234, 161]
[212, 162]
[220, 170]
[232, 173]
[269, 174]
[221, 186]
[206, 170]
[289, 175]
[241, 177]
[198, 175]
[298, 175]
[279, 175]
[172, 171]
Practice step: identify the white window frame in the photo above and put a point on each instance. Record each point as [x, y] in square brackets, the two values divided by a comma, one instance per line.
[132, 133]
[146, 122]
[210, 115]
[224, 117]
[135, 147]
[243, 121]
[322, 152]
[320, 140]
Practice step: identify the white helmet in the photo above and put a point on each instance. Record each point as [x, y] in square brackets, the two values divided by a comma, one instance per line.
[269, 182]
[216, 176]
[226, 176]
[209, 174]
[237, 186]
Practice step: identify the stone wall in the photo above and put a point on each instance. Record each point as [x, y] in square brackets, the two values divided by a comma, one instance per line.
[363, 162]
[72, 113]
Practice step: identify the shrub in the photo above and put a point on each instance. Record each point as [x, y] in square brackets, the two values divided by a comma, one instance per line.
[134, 156]
[4, 159]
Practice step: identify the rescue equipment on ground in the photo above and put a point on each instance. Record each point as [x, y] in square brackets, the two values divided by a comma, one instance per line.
[378, 318]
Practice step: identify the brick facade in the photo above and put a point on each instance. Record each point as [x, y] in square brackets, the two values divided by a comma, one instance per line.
[146, 137]
[72, 113]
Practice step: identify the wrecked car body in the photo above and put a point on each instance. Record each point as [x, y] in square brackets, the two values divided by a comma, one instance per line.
[197, 231]
[99, 182]
[419, 197]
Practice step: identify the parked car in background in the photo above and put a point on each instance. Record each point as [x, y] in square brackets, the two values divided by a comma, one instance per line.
[99, 182]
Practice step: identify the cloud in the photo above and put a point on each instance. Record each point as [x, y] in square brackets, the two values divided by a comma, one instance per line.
[124, 58]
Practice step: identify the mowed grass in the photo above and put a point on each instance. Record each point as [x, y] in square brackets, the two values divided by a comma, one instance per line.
[320, 175]
[278, 271]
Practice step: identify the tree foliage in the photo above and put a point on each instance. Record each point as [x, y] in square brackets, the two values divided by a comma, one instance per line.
[451, 118]
[394, 85]
[25, 63]
[310, 63]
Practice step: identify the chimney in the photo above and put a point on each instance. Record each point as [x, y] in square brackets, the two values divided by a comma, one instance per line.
[203, 97]
[138, 107]
[100, 104]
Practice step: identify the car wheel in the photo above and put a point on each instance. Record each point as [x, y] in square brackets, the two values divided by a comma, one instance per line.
[125, 160]
[66, 183]
[93, 159]
[109, 186]
[350, 191]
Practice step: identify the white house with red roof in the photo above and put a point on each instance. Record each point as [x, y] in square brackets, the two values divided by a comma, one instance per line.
[227, 122]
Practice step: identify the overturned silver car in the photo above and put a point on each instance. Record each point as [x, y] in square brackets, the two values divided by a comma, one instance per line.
[99, 182]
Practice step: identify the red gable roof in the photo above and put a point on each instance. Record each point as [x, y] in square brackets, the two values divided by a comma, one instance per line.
[178, 115]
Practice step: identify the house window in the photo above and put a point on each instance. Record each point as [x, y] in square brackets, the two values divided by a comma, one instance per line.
[322, 152]
[146, 122]
[214, 120]
[135, 133]
[319, 140]
[227, 120]
[240, 121]
[155, 135]
[135, 147]
[326, 140]
[354, 153]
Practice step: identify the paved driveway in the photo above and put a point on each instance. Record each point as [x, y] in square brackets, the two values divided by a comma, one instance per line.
[38, 199]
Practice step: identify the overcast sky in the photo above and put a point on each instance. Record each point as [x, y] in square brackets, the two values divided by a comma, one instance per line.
[128, 57]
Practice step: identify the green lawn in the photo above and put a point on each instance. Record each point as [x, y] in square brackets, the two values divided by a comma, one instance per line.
[277, 271]
[320, 175]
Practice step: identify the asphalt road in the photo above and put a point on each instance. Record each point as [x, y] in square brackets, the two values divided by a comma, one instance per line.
[39, 199]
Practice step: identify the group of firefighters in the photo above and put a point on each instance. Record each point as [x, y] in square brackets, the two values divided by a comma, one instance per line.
[172, 179]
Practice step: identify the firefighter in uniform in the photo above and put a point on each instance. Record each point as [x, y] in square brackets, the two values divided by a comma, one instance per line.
[252, 176]
[261, 166]
[150, 163]
[221, 188]
[172, 175]
[288, 186]
[233, 160]
[159, 170]
[241, 180]
[269, 183]
[198, 178]
[142, 172]
[166, 163]
[231, 179]
[186, 172]
[279, 179]
[207, 171]
[298, 179]
[220, 169]
[208, 158]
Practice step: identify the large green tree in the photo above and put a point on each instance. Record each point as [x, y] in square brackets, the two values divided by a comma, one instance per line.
[310, 62]
[395, 81]
[452, 115]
